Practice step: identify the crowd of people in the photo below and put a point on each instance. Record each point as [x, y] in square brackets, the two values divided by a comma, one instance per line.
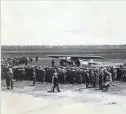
[14, 61]
[101, 77]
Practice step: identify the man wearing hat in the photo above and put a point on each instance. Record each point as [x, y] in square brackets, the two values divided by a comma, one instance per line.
[55, 82]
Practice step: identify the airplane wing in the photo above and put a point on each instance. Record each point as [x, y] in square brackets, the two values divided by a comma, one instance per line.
[76, 56]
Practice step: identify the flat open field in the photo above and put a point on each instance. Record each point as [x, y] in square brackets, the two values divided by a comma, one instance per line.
[73, 99]
[110, 53]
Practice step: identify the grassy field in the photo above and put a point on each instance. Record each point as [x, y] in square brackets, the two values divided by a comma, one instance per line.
[109, 53]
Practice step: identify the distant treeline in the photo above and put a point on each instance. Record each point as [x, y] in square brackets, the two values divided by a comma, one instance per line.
[52, 47]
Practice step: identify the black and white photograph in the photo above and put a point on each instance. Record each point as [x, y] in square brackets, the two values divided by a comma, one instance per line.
[63, 57]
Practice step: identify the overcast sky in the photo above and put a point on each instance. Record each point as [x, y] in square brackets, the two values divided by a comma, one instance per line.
[55, 23]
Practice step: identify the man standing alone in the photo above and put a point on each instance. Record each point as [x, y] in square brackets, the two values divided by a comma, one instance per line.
[9, 77]
[55, 82]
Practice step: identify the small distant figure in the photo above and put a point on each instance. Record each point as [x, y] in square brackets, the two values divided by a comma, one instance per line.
[30, 59]
[34, 77]
[26, 61]
[52, 62]
[36, 59]
[3, 58]
[55, 82]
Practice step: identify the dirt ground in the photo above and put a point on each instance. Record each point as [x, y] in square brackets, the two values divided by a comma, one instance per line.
[73, 99]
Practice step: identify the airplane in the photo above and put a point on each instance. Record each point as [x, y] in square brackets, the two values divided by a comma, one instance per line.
[77, 60]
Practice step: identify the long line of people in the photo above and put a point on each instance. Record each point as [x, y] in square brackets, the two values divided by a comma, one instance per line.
[93, 77]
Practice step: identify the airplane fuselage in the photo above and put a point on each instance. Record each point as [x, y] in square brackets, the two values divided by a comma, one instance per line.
[76, 59]
[77, 62]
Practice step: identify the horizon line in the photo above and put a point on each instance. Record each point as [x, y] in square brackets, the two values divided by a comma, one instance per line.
[71, 45]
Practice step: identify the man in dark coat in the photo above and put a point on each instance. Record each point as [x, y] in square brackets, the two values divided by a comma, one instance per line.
[22, 73]
[87, 78]
[52, 62]
[36, 59]
[101, 78]
[118, 73]
[55, 82]
[34, 77]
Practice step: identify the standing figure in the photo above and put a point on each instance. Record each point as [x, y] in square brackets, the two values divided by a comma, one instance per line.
[36, 59]
[52, 62]
[34, 77]
[30, 59]
[26, 61]
[55, 82]
[96, 78]
[9, 77]
[87, 78]
[92, 79]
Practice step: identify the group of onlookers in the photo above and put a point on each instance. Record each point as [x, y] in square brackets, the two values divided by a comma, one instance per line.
[14, 61]
[102, 77]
